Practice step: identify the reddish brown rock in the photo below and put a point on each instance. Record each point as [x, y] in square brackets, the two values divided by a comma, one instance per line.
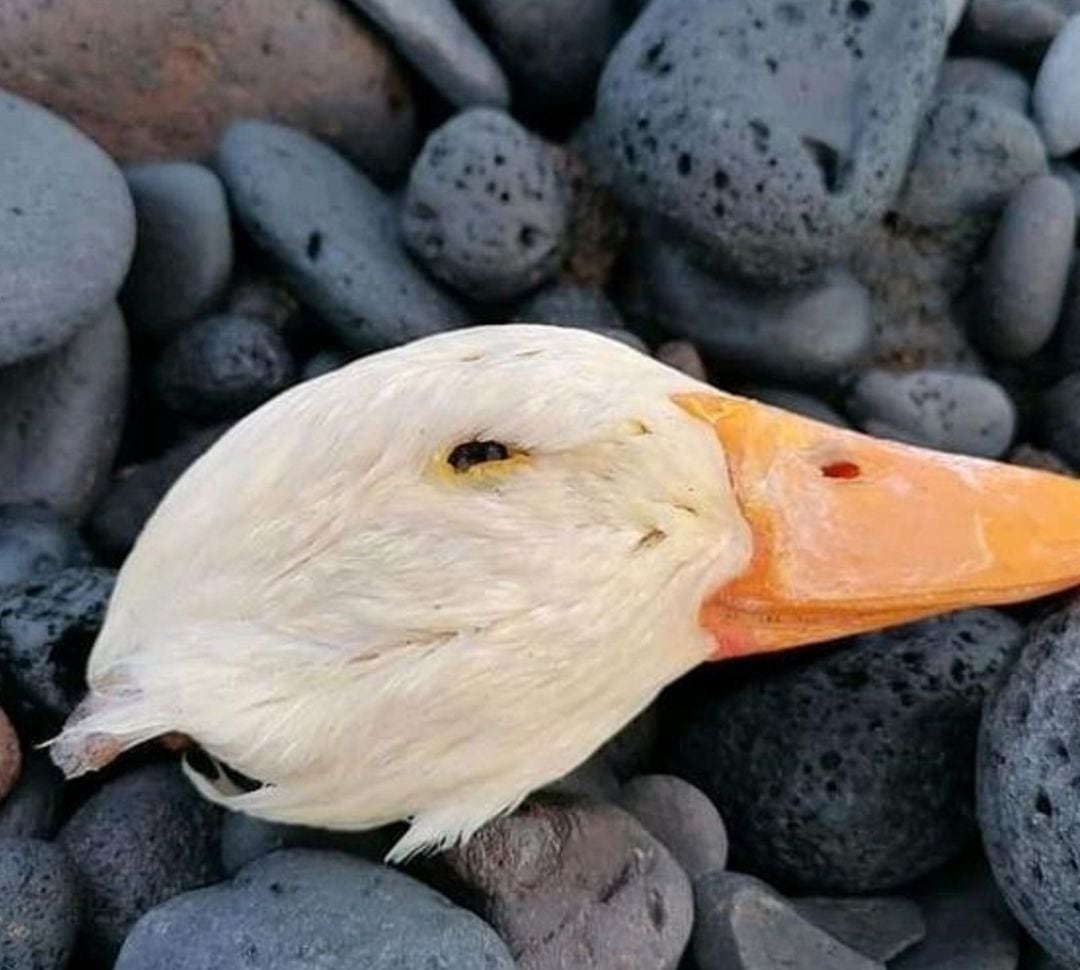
[10, 757]
[162, 79]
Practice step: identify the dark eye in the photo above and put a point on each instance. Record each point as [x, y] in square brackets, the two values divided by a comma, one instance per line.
[470, 453]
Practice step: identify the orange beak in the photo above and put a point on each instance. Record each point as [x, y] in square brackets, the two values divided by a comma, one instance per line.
[853, 534]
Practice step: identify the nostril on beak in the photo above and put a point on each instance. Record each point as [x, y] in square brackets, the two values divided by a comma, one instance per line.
[841, 469]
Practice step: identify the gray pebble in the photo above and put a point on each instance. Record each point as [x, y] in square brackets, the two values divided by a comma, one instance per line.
[981, 76]
[877, 927]
[47, 628]
[572, 305]
[799, 403]
[852, 771]
[681, 817]
[67, 230]
[1020, 29]
[184, 253]
[553, 51]
[31, 809]
[486, 209]
[303, 908]
[1027, 800]
[684, 357]
[1070, 175]
[334, 233]
[1026, 269]
[39, 906]
[35, 542]
[323, 362]
[741, 924]
[720, 118]
[441, 45]
[141, 840]
[576, 883]
[804, 335]
[63, 415]
[962, 413]
[1060, 418]
[1056, 97]
[222, 367]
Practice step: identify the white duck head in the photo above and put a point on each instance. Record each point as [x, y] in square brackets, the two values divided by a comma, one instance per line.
[427, 584]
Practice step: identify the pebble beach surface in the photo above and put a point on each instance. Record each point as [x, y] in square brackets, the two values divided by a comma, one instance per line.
[860, 210]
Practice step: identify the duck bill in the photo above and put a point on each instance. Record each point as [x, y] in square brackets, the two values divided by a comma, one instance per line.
[852, 534]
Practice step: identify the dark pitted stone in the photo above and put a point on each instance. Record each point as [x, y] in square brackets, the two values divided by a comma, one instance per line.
[968, 925]
[63, 414]
[741, 924]
[31, 810]
[1056, 97]
[184, 253]
[721, 119]
[1029, 748]
[46, 631]
[486, 209]
[850, 772]
[442, 46]
[553, 51]
[879, 928]
[222, 367]
[305, 908]
[1060, 419]
[67, 230]
[10, 757]
[35, 542]
[39, 906]
[681, 817]
[117, 520]
[984, 77]
[575, 884]
[334, 234]
[161, 81]
[141, 840]
[962, 413]
[572, 305]
[809, 334]
[1017, 29]
[1026, 269]
[683, 356]
[804, 404]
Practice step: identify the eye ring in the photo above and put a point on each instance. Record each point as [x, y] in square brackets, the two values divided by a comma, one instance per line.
[471, 453]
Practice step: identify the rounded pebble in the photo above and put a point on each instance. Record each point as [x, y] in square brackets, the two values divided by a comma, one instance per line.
[141, 840]
[485, 209]
[850, 772]
[46, 631]
[741, 924]
[30, 811]
[64, 414]
[878, 928]
[442, 46]
[804, 404]
[681, 817]
[1016, 30]
[1060, 418]
[39, 906]
[987, 78]
[720, 118]
[222, 367]
[67, 230]
[323, 362]
[962, 413]
[1070, 175]
[570, 883]
[335, 235]
[301, 907]
[10, 756]
[571, 305]
[1055, 99]
[1027, 801]
[36, 542]
[184, 254]
[1026, 269]
[684, 357]
[161, 81]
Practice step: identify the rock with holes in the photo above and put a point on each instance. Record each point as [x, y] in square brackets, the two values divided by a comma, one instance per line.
[571, 883]
[879, 928]
[486, 209]
[39, 906]
[46, 630]
[185, 250]
[36, 542]
[1026, 269]
[67, 229]
[962, 413]
[304, 908]
[1056, 97]
[141, 840]
[1029, 749]
[222, 367]
[1060, 418]
[721, 119]
[335, 235]
[805, 335]
[741, 924]
[986, 78]
[852, 771]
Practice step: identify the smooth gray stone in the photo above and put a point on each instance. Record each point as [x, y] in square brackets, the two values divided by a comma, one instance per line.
[877, 927]
[1056, 97]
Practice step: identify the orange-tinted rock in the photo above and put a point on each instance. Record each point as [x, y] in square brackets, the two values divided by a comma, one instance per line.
[161, 79]
[10, 757]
